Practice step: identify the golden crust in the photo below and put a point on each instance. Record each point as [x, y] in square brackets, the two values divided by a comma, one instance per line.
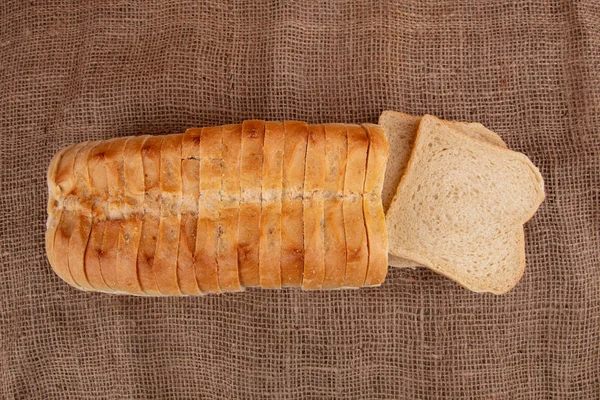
[217, 209]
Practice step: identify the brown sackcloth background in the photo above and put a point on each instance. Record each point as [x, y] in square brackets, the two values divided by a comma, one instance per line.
[530, 70]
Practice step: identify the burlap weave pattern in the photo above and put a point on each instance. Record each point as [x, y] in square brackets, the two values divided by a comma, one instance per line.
[530, 70]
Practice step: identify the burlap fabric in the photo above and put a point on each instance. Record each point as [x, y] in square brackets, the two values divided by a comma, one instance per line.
[72, 71]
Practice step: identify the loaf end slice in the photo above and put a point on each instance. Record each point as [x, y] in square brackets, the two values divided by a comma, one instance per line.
[54, 217]
[68, 227]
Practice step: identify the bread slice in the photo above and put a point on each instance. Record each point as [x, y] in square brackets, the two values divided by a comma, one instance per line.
[96, 170]
[372, 205]
[357, 251]
[150, 152]
[292, 225]
[460, 208]
[207, 269]
[253, 135]
[270, 217]
[54, 209]
[401, 130]
[103, 158]
[190, 178]
[64, 181]
[131, 228]
[64, 185]
[103, 280]
[229, 209]
[313, 209]
[115, 275]
[125, 275]
[167, 242]
[336, 147]
[83, 224]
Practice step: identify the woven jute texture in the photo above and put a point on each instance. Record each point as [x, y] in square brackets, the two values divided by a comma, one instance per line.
[530, 70]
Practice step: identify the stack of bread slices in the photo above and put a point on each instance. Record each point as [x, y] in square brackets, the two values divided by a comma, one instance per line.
[456, 199]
